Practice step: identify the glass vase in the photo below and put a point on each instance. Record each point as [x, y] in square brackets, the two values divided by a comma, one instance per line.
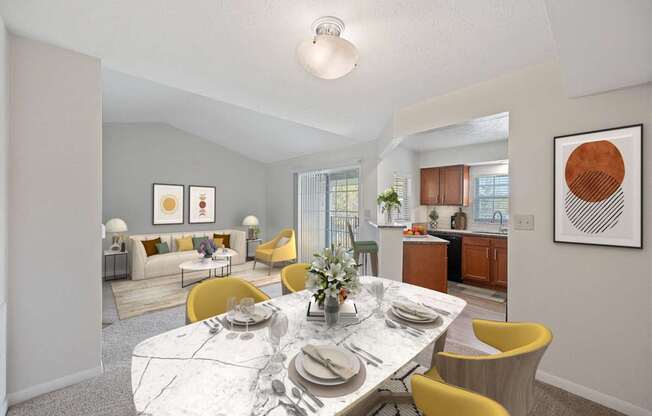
[331, 310]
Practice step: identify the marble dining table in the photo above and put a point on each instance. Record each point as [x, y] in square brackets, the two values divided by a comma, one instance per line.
[189, 371]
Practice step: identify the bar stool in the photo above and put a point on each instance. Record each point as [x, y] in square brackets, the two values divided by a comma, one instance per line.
[368, 250]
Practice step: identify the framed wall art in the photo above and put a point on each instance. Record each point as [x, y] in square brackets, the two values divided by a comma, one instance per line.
[598, 194]
[201, 203]
[167, 204]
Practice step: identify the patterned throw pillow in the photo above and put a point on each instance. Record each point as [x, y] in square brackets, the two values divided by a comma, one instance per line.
[150, 246]
[226, 239]
[184, 244]
[162, 248]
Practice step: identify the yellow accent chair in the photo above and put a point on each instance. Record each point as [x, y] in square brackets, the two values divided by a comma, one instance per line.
[282, 248]
[293, 277]
[209, 297]
[434, 398]
[506, 377]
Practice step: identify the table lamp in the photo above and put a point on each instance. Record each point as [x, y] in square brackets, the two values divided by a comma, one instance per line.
[251, 222]
[116, 226]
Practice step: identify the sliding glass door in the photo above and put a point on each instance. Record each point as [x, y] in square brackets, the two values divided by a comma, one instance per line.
[327, 200]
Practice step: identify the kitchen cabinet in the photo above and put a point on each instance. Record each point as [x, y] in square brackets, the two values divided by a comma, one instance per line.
[446, 185]
[430, 186]
[426, 265]
[484, 261]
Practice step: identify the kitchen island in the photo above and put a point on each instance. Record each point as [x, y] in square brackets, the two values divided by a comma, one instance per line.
[425, 262]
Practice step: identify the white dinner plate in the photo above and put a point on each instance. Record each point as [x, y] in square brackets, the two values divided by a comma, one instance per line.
[241, 319]
[413, 318]
[336, 354]
[301, 359]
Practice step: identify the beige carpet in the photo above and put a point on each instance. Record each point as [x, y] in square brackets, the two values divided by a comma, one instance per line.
[136, 297]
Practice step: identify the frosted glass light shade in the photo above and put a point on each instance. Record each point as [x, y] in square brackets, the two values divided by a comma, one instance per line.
[250, 221]
[116, 225]
[327, 56]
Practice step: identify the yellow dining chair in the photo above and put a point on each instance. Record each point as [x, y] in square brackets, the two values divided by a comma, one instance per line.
[293, 277]
[282, 248]
[209, 297]
[434, 398]
[506, 377]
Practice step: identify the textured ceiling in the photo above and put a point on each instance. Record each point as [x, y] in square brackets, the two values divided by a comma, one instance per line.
[259, 136]
[242, 52]
[481, 130]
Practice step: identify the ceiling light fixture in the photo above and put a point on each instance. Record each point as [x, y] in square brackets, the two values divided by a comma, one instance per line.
[327, 55]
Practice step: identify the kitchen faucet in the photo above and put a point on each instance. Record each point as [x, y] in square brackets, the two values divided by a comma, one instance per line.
[501, 229]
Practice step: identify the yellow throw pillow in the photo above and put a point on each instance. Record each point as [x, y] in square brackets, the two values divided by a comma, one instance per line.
[219, 242]
[184, 244]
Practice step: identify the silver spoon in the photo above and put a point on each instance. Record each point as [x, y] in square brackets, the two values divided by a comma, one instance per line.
[212, 330]
[299, 395]
[279, 388]
[395, 326]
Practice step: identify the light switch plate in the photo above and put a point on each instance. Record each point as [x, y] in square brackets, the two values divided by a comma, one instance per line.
[524, 222]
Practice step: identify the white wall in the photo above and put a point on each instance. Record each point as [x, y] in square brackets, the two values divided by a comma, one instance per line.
[54, 308]
[280, 184]
[596, 300]
[474, 153]
[404, 162]
[4, 170]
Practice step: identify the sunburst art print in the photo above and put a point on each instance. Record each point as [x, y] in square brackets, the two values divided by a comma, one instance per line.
[598, 194]
[167, 204]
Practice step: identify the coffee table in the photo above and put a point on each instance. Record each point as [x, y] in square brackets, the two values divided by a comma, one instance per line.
[199, 265]
[225, 254]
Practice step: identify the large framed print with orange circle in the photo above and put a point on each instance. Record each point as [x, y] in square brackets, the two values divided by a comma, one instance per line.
[167, 204]
[598, 190]
[201, 204]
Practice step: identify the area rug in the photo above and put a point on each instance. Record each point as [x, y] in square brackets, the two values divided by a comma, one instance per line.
[136, 297]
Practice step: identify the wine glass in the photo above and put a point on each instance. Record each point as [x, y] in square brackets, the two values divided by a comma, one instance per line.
[232, 309]
[277, 328]
[378, 290]
[247, 307]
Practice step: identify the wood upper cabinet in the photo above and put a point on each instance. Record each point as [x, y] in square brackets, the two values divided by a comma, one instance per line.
[426, 265]
[447, 185]
[430, 186]
[484, 261]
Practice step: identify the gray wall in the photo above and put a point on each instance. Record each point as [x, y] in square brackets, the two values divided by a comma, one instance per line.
[137, 155]
[55, 303]
[597, 300]
[4, 105]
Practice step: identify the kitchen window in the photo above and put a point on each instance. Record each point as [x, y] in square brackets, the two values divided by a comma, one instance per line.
[491, 194]
[402, 187]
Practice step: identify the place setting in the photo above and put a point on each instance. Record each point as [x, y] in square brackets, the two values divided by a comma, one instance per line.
[411, 316]
[245, 315]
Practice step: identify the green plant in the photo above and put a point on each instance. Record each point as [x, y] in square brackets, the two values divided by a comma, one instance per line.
[433, 216]
[388, 200]
[333, 272]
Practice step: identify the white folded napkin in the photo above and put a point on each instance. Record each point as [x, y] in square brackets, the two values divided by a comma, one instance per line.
[340, 369]
[415, 309]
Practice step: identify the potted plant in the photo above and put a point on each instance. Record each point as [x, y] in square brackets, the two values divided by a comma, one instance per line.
[333, 274]
[207, 248]
[388, 201]
[434, 216]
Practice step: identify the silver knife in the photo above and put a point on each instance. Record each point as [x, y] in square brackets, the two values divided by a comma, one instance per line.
[441, 311]
[308, 392]
[367, 360]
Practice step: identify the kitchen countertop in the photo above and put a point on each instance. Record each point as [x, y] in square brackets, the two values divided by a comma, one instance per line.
[425, 240]
[480, 233]
[376, 225]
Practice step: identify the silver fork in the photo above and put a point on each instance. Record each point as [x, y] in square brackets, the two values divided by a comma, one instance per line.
[409, 328]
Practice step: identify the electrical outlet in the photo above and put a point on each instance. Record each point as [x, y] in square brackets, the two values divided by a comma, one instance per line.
[524, 222]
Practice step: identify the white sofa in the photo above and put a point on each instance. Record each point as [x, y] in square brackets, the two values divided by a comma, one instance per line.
[159, 265]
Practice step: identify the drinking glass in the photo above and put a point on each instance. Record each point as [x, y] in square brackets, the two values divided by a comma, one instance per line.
[378, 290]
[277, 328]
[247, 307]
[231, 309]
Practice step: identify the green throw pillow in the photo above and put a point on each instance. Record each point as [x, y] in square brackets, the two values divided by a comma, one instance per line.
[196, 241]
[162, 248]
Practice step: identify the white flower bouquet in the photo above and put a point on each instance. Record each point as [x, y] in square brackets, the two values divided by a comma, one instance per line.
[333, 272]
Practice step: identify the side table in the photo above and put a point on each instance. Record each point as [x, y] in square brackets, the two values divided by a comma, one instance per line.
[114, 255]
[252, 243]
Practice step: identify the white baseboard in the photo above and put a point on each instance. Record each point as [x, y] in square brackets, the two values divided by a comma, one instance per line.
[593, 395]
[59, 383]
[4, 407]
